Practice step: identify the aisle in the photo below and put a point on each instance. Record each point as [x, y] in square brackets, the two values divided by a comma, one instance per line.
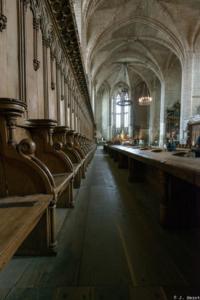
[110, 247]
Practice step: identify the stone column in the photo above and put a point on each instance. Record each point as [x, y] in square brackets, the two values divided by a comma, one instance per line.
[114, 119]
[133, 107]
[186, 95]
[196, 85]
[131, 121]
[153, 107]
[109, 115]
[94, 96]
[162, 115]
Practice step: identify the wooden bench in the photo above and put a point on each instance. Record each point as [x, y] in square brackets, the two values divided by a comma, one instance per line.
[23, 225]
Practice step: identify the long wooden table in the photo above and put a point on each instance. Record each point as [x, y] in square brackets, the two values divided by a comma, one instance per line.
[177, 180]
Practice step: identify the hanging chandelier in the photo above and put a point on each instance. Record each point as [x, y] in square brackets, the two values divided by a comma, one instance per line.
[123, 96]
[145, 99]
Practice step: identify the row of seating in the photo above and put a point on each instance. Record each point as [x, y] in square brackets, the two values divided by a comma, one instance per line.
[40, 164]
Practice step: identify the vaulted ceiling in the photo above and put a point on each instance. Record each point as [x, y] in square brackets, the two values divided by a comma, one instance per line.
[149, 35]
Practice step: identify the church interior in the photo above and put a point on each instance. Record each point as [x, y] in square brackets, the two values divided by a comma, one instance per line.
[99, 149]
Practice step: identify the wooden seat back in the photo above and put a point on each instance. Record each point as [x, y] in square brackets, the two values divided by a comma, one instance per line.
[48, 151]
[22, 171]
[62, 134]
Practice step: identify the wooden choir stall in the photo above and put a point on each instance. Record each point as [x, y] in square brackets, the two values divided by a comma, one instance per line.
[46, 124]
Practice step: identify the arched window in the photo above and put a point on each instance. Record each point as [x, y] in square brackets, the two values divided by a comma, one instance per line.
[120, 115]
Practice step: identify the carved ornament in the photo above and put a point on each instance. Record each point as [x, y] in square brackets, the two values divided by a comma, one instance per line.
[26, 147]
[3, 18]
[36, 25]
[57, 146]
[64, 19]
[3, 22]
[46, 27]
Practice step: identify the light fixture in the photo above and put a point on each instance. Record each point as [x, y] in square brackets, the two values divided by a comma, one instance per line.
[123, 95]
[145, 99]
[124, 99]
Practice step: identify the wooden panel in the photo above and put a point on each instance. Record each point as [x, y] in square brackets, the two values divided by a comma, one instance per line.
[32, 97]
[40, 79]
[52, 92]
[9, 53]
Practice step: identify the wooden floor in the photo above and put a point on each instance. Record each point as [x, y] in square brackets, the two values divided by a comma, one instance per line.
[111, 247]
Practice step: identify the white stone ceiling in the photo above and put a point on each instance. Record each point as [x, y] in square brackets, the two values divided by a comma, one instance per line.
[147, 34]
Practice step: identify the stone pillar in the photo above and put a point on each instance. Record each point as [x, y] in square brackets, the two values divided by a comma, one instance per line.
[186, 95]
[196, 84]
[130, 127]
[131, 115]
[162, 115]
[154, 117]
[94, 96]
[110, 117]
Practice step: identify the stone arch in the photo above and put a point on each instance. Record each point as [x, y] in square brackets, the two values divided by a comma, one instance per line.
[175, 46]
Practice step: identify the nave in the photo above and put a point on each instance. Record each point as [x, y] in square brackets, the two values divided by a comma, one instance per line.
[111, 247]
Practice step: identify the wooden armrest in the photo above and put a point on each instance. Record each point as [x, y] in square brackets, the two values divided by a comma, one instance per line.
[18, 217]
[62, 181]
[76, 167]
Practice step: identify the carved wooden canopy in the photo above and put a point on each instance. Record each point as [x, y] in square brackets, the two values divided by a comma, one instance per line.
[64, 18]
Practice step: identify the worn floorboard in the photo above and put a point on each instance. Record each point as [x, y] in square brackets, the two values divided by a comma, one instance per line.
[111, 247]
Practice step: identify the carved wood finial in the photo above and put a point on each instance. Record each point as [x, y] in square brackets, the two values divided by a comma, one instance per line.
[57, 146]
[36, 25]
[3, 18]
[26, 147]
[3, 22]
[11, 123]
[26, 3]
[36, 64]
